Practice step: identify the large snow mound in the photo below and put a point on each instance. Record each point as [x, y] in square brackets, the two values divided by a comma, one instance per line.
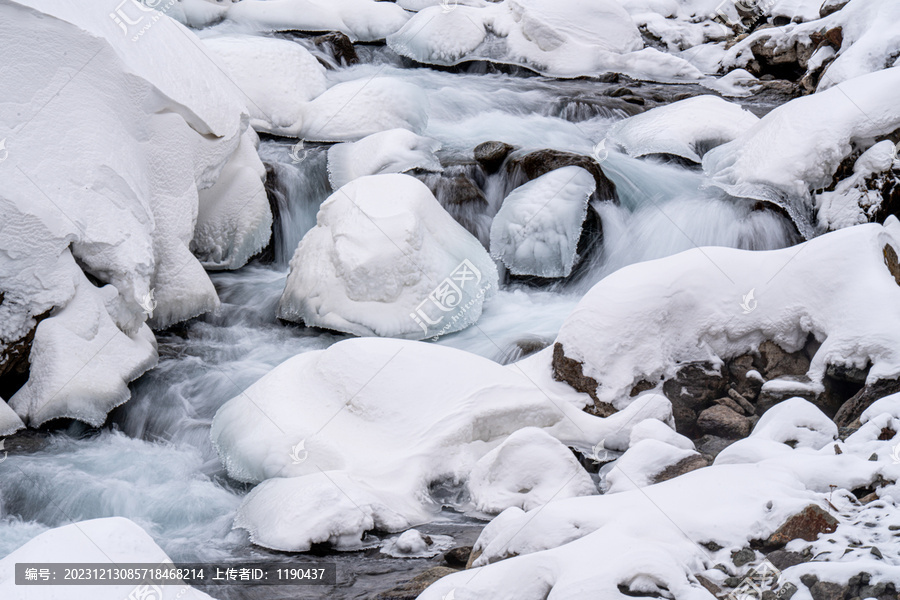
[300, 428]
[537, 228]
[392, 151]
[559, 38]
[150, 123]
[642, 320]
[111, 541]
[386, 259]
[687, 128]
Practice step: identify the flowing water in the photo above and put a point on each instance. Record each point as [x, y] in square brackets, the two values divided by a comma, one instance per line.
[154, 462]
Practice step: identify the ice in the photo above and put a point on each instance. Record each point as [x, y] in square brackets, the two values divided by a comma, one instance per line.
[391, 151]
[642, 320]
[385, 259]
[112, 541]
[687, 128]
[537, 228]
[9, 420]
[350, 438]
[526, 471]
[275, 76]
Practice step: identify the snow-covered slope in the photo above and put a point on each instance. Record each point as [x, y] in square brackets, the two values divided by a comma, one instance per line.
[385, 259]
[643, 319]
[112, 155]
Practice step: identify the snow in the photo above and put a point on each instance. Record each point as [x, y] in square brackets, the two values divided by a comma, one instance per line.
[526, 471]
[275, 76]
[687, 128]
[385, 259]
[361, 20]
[642, 463]
[9, 420]
[391, 151]
[652, 429]
[798, 421]
[559, 38]
[852, 202]
[150, 138]
[413, 544]
[112, 541]
[644, 319]
[537, 228]
[423, 413]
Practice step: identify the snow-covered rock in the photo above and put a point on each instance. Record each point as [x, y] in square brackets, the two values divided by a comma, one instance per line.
[527, 470]
[645, 319]
[112, 541]
[560, 38]
[855, 199]
[149, 122]
[385, 259]
[798, 423]
[350, 438]
[687, 128]
[392, 151]
[537, 228]
[653, 429]
[362, 20]
[642, 463]
[275, 76]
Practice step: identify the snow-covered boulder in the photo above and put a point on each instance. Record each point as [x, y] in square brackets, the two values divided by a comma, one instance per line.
[559, 38]
[687, 128]
[350, 438]
[527, 470]
[643, 463]
[111, 541]
[645, 319]
[275, 76]
[392, 151]
[537, 228]
[114, 194]
[859, 198]
[385, 259]
[797, 423]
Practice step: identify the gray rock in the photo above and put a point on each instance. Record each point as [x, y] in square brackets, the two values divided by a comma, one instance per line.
[782, 559]
[711, 445]
[492, 154]
[723, 422]
[685, 465]
[742, 557]
[825, 590]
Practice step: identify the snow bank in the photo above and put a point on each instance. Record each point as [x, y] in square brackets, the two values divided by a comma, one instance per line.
[559, 38]
[114, 194]
[392, 151]
[687, 128]
[361, 20]
[275, 76]
[537, 228]
[642, 320]
[112, 541]
[385, 259]
[351, 438]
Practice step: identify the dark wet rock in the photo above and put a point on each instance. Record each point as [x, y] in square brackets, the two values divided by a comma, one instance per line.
[491, 155]
[339, 46]
[711, 587]
[712, 445]
[694, 388]
[723, 422]
[458, 190]
[737, 369]
[458, 557]
[741, 401]
[530, 166]
[414, 587]
[570, 371]
[685, 465]
[808, 579]
[14, 354]
[782, 559]
[769, 397]
[742, 557]
[849, 374]
[729, 403]
[775, 362]
[825, 590]
[640, 387]
[805, 525]
[784, 61]
[854, 407]
[830, 7]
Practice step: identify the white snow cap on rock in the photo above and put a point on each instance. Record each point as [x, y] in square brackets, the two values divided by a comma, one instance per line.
[381, 420]
[392, 151]
[687, 128]
[797, 422]
[113, 194]
[537, 228]
[645, 319]
[559, 38]
[112, 541]
[386, 259]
